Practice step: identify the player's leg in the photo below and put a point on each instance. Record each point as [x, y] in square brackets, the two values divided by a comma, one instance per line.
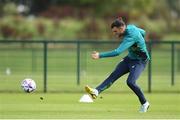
[136, 68]
[121, 69]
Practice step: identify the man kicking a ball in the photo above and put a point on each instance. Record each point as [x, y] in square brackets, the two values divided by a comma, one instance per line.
[134, 63]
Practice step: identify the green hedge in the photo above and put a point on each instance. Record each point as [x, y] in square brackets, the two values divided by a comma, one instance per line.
[18, 27]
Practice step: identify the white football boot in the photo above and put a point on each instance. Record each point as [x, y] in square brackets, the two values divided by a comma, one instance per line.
[144, 107]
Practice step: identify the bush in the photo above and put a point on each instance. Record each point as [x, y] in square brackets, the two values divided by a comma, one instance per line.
[18, 27]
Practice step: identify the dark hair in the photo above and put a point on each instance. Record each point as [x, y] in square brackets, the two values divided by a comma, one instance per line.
[118, 22]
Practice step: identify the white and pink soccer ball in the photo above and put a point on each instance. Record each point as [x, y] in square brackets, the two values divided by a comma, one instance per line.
[28, 85]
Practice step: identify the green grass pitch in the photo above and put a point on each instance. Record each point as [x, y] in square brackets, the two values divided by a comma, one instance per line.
[67, 106]
[61, 101]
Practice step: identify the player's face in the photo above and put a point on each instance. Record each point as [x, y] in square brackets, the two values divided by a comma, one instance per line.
[118, 31]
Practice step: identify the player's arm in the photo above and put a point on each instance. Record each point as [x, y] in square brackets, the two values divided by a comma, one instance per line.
[127, 42]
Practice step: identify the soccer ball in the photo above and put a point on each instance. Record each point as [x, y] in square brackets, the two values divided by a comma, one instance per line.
[28, 85]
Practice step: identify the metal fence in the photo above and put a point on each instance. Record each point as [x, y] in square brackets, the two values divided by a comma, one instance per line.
[65, 65]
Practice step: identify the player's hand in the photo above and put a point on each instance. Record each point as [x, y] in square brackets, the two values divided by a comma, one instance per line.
[95, 55]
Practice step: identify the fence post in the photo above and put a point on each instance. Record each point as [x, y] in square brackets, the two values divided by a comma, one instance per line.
[149, 67]
[78, 63]
[172, 63]
[45, 66]
[178, 60]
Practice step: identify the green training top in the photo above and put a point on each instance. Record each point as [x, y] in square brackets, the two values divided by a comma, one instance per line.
[133, 40]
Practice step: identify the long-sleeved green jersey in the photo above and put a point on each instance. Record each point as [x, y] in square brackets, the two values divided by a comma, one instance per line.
[133, 40]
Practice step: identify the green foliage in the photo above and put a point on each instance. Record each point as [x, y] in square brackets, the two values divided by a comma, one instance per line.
[17, 28]
[10, 9]
[158, 26]
[87, 19]
[68, 28]
[30, 28]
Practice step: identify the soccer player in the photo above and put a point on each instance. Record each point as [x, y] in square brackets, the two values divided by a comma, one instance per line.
[134, 63]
